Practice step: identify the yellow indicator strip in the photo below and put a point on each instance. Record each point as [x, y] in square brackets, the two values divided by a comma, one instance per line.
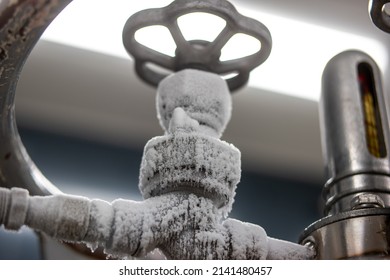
[374, 134]
[371, 126]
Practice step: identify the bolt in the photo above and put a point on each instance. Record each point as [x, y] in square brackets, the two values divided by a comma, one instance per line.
[367, 200]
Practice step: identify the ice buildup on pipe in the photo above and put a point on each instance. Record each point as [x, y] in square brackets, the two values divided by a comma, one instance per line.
[183, 226]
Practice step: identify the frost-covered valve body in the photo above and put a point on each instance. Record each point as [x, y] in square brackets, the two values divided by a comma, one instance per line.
[193, 108]
[188, 179]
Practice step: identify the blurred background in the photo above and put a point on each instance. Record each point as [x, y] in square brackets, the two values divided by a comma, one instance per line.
[85, 117]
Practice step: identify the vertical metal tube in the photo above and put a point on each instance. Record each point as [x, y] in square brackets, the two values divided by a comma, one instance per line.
[355, 137]
[355, 132]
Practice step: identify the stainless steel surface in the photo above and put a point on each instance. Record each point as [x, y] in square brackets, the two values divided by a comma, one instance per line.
[363, 234]
[350, 167]
[380, 14]
[355, 136]
[202, 55]
[340, 195]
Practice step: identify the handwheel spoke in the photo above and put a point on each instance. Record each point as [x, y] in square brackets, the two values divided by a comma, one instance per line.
[223, 37]
[177, 35]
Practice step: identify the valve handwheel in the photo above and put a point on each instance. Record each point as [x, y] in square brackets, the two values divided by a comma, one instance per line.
[198, 54]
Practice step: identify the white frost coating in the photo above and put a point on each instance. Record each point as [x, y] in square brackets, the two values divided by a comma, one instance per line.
[191, 162]
[244, 236]
[204, 96]
[181, 122]
[193, 107]
[100, 222]
[138, 228]
[62, 216]
[283, 250]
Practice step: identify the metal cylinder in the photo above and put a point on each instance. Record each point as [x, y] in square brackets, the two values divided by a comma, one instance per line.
[355, 131]
[355, 134]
